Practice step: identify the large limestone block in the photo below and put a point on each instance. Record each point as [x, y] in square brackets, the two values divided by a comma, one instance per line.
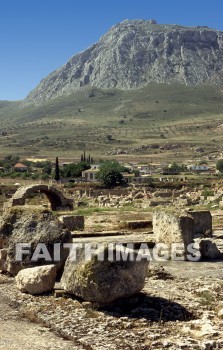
[202, 222]
[103, 281]
[32, 225]
[170, 227]
[36, 280]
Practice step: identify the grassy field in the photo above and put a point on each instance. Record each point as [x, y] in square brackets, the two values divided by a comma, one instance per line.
[119, 124]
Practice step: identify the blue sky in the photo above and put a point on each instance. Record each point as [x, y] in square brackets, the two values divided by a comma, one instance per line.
[38, 36]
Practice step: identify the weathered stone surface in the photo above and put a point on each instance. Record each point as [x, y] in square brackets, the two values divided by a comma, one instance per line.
[33, 225]
[56, 198]
[170, 227]
[36, 280]
[3, 257]
[202, 222]
[209, 250]
[73, 222]
[134, 53]
[139, 195]
[139, 224]
[103, 281]
[186, 227]
[220, 313]
[159, 194]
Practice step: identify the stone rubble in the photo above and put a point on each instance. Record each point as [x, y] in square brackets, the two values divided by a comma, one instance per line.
[180, 308]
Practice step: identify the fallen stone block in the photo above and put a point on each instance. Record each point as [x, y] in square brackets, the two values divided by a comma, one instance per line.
[209, 250]
[103, 281]
[36, 280]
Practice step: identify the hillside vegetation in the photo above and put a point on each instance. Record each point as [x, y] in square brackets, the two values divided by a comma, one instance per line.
[110, 122]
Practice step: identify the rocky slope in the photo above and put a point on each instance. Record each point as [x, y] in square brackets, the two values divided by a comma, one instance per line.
[134, 53]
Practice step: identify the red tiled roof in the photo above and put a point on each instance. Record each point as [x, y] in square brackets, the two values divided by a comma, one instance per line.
[20, 165]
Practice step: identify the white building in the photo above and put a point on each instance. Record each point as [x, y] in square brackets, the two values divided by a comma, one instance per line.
[90, 174]
[201, 167]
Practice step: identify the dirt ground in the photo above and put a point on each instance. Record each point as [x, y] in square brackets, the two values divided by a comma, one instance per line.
[180, 308]
[17, 333]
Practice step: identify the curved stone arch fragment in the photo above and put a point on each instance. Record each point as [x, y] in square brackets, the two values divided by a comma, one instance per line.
[56, 198]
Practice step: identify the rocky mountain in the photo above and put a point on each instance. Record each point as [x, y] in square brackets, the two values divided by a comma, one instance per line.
[134, 53]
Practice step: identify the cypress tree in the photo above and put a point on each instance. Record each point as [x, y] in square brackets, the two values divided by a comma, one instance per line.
[57, 170]
[84, 157]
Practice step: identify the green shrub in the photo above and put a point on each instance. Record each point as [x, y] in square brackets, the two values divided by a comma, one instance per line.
[35, 176]
[207, 192]
[219, 165]
[45, 177]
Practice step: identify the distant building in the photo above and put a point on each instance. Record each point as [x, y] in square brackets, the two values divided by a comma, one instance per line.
[129, 166]
[128, 177]
[142, 179]
[144, 169]
[90, 174]
[37, 160]
[20, 167]
[95, 166]
[201, 167]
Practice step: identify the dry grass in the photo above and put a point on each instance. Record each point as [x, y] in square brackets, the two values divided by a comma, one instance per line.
[157, 114]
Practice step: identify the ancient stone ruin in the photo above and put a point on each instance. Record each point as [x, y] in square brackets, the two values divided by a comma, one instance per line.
[96, 281]
[176, 227]
[186, 227]
[56, 198]
[72, 222]
[104, 281]
[31, 225]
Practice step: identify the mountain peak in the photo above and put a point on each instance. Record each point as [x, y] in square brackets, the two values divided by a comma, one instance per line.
[134, 53]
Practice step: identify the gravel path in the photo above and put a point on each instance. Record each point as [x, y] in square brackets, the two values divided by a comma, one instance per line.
[16, 333]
